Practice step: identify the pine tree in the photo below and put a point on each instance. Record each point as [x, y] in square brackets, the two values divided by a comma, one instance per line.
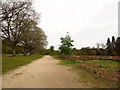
[113, 43]
[117, 45]
[108, 43]
[108, 46]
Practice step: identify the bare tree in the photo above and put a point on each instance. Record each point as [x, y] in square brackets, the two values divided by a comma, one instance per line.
[98, 45]
[34, 40]
[103, 46]
[40, 40]
[15, 19]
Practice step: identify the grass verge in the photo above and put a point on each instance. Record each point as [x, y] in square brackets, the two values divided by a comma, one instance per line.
[11, 63]
[92, 80]
[88, 71]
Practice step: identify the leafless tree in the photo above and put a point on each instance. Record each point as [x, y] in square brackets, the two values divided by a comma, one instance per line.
[98, 45]
[15, 19]
[34, 40]
[103, 46]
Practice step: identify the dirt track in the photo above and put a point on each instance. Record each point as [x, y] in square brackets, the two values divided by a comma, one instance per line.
[42, 73]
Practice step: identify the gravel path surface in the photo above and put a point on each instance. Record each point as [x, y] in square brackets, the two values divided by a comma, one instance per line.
[42, 73]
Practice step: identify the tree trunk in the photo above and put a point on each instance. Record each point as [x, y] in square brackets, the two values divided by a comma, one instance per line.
[68, 57]
[13, 52]
[24, 52]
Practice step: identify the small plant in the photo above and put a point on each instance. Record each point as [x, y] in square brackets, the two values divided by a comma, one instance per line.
[84, 67]
[100, 66]
[107, 67]
[95, 71]
[102, 70]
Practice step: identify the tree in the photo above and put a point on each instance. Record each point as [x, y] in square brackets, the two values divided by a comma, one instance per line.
[113, 43]
[52, 48]
[108, 43]
[66, 46]
[108, 46]
[6, 49]
[15, 18]
[117, 45]
[34, 40]
[103, 46]
[98, 45]
[40, 40]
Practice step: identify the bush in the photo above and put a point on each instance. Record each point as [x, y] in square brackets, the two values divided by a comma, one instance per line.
[114, 53]
[93, 52]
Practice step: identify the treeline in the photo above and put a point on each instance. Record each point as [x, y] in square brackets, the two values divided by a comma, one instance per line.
[112, 48]
[19, 29]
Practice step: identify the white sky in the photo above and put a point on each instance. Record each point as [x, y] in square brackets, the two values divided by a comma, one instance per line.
[87, 21]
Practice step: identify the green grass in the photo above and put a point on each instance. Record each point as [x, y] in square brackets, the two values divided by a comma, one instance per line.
[90, 78]
[66, 63]
[11, 63]
[103, 63]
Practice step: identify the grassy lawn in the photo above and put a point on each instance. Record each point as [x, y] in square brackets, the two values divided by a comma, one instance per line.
[10, 63]
[105, 73]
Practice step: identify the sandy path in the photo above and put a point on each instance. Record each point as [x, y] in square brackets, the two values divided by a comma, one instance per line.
[42, 73]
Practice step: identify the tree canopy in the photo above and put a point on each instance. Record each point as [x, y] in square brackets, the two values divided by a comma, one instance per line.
[66, 45]
[18, 23]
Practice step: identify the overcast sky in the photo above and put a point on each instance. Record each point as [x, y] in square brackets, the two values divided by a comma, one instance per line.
[87, 21]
